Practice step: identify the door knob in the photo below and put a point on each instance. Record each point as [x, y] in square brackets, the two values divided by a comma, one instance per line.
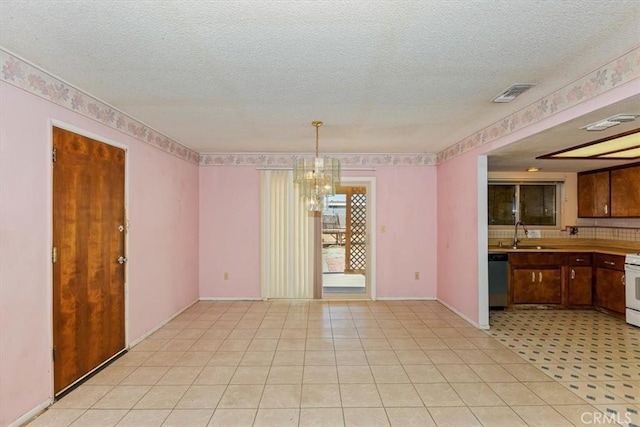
[122, 260]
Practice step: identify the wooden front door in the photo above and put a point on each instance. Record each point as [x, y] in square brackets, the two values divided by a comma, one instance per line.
[88, 239]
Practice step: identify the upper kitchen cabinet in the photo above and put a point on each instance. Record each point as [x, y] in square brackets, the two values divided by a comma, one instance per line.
[625, 192]
[613, 192]
[593, 194]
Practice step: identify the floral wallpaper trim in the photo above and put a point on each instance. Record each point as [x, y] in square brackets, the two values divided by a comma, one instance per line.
[346, 160]
[617, 72]
[28, 77]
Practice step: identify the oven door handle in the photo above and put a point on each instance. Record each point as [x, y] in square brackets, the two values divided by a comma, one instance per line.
[632, 267]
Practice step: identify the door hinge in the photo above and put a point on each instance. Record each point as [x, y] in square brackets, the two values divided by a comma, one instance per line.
[53, 354]
[54, 255]
[54, 155]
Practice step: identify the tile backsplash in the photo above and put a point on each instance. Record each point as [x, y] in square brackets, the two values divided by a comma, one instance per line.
[584, 232]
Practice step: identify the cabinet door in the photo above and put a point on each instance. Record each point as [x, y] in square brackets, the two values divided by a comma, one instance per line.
[593, 195]
[610, 290]
[580, 282]
[625, 192]
[550, 286]
[537, 286]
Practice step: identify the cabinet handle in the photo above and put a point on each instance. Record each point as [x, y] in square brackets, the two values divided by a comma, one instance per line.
[579, 259]
[533, 277]
[606, 209]
[622, 279]
[573, 273]
[610, 263]
[540, 276]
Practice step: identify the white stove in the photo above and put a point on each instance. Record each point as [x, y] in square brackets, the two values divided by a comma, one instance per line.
[632, 283]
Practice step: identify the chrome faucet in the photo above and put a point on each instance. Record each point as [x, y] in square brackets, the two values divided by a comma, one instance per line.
[515, 233]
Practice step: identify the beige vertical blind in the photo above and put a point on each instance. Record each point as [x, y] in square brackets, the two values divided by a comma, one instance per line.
[287, 239]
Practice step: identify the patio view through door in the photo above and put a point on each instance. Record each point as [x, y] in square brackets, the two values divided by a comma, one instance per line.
[345, 243]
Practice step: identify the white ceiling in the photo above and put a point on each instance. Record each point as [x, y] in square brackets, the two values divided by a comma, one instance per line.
[250, 76]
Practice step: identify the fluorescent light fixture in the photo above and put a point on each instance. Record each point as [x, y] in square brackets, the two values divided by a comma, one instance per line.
[623, 146]
[627, 154]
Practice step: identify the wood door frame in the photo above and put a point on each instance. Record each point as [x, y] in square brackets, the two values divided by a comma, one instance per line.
[369, 182]
[80, 131]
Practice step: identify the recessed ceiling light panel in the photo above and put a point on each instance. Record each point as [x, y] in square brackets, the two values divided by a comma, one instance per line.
[622, 146]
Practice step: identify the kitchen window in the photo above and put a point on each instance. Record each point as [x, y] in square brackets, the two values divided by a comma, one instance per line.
[533, 203]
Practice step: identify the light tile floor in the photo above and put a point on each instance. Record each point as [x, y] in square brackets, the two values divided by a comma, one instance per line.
[401, 363]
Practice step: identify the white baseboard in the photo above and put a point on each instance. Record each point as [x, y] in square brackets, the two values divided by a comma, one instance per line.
[160, 325]
[407, 299]
[475, 324]
[232, 299]
[32, 413]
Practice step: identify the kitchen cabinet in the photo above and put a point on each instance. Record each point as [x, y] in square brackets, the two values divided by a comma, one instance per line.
[625, 192]
[535, 278]
[579, 280]
[593, 194]
[612, 192]
[609, 283]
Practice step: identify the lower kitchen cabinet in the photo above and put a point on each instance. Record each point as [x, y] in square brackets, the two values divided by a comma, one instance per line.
[610, 287]
[535, 278]
[610, 291]
[579, 280]
[568, 280]
[537, 286]
[580, 284]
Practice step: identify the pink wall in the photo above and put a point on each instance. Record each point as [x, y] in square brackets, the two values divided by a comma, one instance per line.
[230, 231]
[406, 209]
[163, 242]
[458, 234]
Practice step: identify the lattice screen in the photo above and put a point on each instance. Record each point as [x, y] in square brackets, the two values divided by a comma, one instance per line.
[358, 253]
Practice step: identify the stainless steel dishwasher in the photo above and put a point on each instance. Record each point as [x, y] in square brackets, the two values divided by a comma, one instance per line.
[498, 278]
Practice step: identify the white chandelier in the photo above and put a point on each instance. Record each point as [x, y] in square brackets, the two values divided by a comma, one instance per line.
[316, 177]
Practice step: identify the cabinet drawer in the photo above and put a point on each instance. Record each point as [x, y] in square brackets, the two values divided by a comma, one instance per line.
[536, 259]
[612, 262]
[580, 259]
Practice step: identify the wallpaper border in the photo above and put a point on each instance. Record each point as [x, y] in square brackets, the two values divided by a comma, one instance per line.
[20, 73]
[346, 160]
[23, 75]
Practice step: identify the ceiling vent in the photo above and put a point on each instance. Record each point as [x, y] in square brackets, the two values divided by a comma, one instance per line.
[610, 122]
[513, 92]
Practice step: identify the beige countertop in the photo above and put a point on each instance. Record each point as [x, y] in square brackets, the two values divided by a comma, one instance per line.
[612, 247]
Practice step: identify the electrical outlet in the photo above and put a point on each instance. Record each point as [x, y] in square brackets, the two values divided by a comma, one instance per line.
[416, 275]
[226, 275]
[534, 234]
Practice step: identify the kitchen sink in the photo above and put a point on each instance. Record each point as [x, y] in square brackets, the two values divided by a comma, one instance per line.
[523, 247]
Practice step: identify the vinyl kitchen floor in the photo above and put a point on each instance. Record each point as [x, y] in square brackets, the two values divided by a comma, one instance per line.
[400, 363]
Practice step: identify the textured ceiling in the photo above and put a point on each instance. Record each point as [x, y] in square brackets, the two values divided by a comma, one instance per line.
[250, 76]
